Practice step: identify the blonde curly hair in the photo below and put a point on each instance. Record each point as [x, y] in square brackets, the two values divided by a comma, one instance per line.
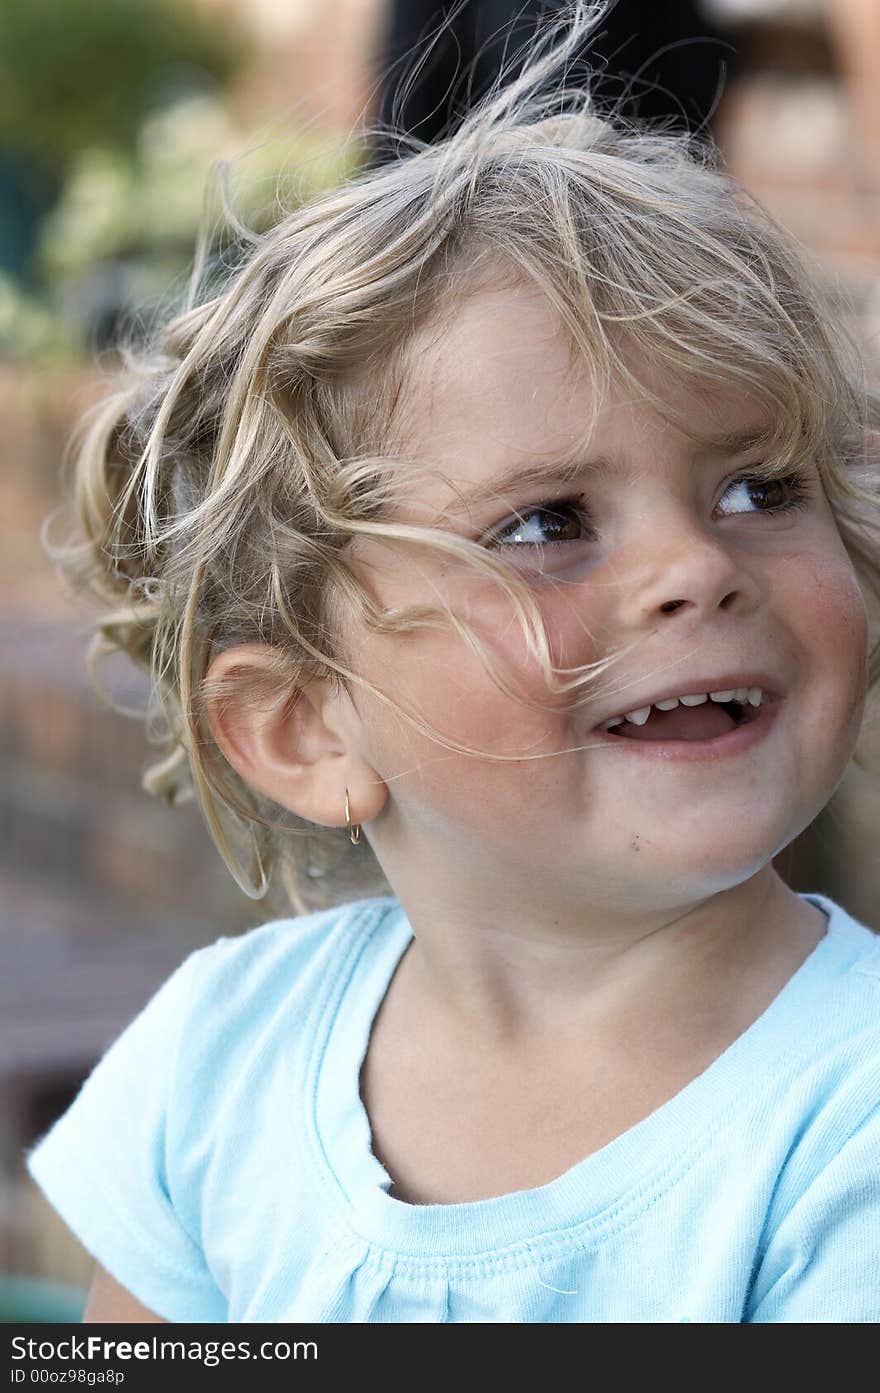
[252, 438]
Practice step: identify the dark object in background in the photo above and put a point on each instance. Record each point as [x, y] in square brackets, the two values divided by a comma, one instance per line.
[655, 61]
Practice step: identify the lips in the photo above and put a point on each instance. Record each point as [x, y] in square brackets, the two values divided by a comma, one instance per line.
[725, 681]
[738, 741]
[704, 722]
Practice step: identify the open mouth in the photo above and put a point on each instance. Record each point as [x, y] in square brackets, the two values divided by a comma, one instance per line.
[709, 721]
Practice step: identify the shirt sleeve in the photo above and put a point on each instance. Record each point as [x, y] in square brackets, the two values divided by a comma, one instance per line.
[104, 1165]
[822, 1262]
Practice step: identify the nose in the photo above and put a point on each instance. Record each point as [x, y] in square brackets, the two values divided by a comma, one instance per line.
[679, 568]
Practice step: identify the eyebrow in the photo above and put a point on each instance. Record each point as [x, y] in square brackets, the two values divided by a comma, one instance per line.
[564, 470]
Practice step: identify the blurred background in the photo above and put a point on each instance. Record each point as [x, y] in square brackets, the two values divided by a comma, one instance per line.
[112, 115]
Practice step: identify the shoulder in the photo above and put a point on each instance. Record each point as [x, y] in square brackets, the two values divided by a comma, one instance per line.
[289, 946]
[849, 957]
[320, 922]
[817, 1256]
[840, 1013]
[820, 1061]
[237, 986]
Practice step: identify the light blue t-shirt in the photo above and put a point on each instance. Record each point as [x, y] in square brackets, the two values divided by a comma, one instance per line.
[217, 1162]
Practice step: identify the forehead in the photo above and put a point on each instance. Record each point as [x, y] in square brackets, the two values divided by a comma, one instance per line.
[494, 372]
[499, 383]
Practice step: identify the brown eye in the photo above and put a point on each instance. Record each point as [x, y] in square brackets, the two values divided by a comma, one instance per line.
[772, 493]
[780, 495]
[551, 524]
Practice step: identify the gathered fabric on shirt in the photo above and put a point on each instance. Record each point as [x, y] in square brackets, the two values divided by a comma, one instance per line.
[217, 1162]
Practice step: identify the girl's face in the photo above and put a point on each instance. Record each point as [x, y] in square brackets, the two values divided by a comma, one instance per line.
[658, 540]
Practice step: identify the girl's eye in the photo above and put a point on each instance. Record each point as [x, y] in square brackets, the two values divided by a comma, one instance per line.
[552, 523]
[781, 494]
[561, 520]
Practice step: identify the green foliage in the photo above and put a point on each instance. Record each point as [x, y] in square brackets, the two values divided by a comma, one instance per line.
[122, 235]
[76, 73]
[150, 205]
[30, 331]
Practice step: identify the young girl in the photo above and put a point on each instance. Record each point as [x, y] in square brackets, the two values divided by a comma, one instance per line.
[509, 514]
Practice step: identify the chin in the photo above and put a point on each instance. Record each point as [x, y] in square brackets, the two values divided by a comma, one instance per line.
[714, 869]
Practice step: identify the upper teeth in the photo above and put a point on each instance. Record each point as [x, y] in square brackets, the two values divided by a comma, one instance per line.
[752, 695]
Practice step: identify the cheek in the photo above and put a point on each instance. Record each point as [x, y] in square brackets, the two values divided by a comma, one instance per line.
[835, 612]
[436, 675]
[830, 616]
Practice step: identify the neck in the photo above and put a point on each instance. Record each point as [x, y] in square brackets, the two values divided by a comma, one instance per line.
[505, 977]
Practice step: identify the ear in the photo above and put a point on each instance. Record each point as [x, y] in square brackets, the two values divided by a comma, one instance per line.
[302, 750]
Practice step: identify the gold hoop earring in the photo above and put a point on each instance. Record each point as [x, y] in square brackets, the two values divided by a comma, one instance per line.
[354, 832]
